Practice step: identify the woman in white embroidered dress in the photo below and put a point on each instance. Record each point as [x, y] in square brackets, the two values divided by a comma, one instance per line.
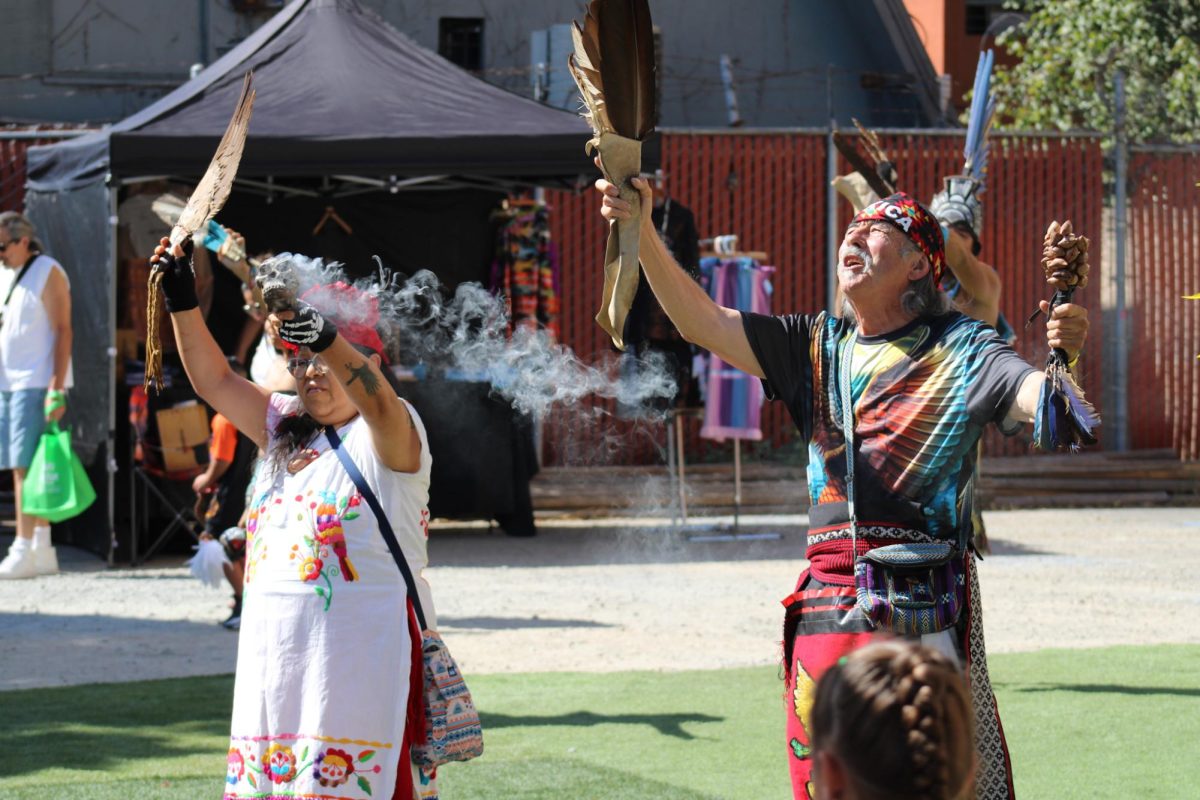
[325, 658]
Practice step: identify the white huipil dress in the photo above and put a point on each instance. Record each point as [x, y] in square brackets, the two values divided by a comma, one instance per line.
[324, 653]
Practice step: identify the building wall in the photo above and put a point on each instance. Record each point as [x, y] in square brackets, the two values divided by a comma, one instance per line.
[99, 61]
[95, 61]
[943, 29]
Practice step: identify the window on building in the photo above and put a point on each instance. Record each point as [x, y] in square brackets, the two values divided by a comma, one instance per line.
[460, 40]
[989, 17]
[977, 20]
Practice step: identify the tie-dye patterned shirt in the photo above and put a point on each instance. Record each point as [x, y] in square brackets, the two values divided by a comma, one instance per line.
[922, 394]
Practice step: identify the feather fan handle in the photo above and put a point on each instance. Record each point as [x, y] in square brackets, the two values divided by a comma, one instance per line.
[979, 120]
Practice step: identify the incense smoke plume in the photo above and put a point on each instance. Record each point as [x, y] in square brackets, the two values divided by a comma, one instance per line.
[468, 332]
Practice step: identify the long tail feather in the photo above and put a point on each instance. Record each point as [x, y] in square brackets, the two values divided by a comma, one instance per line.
[213, 189]
[1084, 418]
[618, 38]
[979, 120]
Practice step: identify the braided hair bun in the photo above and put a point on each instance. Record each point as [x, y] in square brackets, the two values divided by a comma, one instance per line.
[897, 717]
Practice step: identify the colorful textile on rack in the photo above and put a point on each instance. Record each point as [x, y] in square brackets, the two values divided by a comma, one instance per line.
[526, 272]
[732, 399]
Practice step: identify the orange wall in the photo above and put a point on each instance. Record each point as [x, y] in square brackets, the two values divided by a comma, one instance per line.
[942, 25]
[929, 18]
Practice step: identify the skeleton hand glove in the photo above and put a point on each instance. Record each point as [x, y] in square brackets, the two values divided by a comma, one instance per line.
[307, 329]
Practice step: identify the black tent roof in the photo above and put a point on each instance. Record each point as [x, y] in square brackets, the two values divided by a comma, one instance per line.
[339, 91]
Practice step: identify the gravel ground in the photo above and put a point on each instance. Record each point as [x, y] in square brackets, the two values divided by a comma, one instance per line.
[606, 595]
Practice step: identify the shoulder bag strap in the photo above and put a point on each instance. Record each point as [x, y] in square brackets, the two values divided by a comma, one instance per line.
[385, 527]
[16, 281]
[848, 434]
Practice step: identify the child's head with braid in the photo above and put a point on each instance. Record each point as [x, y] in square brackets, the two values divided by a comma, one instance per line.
[892, 720]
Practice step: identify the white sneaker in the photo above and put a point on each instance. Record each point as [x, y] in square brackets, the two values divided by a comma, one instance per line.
[46, 560]
[19, 563]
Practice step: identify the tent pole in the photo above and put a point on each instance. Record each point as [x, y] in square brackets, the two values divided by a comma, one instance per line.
[110, 447]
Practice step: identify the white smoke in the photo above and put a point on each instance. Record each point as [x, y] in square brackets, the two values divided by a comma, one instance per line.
[468, 334]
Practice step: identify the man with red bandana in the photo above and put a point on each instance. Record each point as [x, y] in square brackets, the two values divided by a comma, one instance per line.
[924, 381]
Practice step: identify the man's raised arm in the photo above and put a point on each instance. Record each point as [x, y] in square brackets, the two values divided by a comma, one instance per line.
[699, 320]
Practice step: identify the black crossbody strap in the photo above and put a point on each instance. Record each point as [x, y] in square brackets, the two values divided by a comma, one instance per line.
[16, 281]
[385, 527]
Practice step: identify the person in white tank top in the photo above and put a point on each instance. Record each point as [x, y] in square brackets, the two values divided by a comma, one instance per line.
[35, 373]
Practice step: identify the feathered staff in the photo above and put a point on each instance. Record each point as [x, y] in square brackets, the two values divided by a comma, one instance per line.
[207, 199]
[867, 183]
[1065, 419]
[613, 64]
[979, 119]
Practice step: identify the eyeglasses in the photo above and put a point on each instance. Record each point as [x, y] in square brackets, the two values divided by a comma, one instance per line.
[299, 366]
[4, 245]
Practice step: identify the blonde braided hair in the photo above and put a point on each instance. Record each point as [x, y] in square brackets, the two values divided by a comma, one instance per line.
[897, 716]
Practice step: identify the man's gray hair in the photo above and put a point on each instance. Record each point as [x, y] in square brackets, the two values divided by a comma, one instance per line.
[18, 227]
[923, 298]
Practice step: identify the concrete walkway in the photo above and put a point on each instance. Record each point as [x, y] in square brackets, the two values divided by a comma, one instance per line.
[607, 595]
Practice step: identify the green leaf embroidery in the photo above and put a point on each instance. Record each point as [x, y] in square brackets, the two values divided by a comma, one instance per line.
[250, 777]
[362, 784]
[320, 591]
[351, 515]
[343, 502]
[304, 753]
[365, 756]
[799, 749]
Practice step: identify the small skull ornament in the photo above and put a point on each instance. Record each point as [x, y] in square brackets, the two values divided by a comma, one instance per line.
[277, 280]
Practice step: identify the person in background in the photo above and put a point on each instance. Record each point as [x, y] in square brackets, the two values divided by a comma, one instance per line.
[974, 286]
[35, 374]
[892, 722]
[648, 328]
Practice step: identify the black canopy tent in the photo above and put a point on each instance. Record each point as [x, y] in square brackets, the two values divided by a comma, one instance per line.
[345, 103]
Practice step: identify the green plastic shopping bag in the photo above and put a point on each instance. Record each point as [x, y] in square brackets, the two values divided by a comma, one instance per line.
[56, 485]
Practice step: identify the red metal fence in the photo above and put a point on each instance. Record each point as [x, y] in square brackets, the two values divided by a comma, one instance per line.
[1164, 265]
[769, 189]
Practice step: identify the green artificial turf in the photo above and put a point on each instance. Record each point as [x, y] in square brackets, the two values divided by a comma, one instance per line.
[1114, 722]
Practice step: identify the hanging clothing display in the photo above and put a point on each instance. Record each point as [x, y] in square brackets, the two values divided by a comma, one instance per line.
[526, 271]
[732, 399]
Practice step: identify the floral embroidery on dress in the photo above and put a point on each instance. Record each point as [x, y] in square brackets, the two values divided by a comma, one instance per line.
[235, 766]
[326, 512]
[332, 767]
[256, 546]
[281, 763]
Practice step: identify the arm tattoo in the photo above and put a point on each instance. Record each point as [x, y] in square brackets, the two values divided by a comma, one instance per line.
[362, 373]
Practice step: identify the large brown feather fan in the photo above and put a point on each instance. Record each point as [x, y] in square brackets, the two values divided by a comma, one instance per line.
[613, 64]
[207, 199]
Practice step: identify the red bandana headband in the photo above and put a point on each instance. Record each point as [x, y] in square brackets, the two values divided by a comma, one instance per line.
[921, 227]
[355, 312]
